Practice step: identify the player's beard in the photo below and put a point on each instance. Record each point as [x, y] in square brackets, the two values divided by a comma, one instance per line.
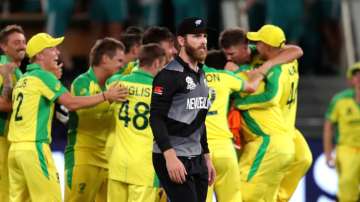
[196, 53]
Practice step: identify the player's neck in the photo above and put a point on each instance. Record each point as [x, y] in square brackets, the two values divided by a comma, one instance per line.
[100, 75]
[357, 94]
[193, 64]
[17, 62]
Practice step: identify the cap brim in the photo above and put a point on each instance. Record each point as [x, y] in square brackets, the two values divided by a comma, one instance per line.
[203, 30]
[253, 36]
[352, 71]
[56, 41]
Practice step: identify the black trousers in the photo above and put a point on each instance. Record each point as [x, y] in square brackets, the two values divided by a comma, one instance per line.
[194, 189]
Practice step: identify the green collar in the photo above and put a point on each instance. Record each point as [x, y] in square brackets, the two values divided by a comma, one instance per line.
[33, 66]
[143, 73]
[91, 74]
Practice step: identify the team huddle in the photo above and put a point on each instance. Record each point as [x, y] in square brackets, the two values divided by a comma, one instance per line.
[148, 121]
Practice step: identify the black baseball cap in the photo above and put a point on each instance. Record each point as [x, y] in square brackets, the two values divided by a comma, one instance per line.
[193, 25]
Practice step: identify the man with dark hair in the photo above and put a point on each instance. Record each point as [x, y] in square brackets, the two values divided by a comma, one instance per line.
[86, 163]
[132, 43]
[13, 45]
[216, 59]
[177, 118]
[134, 30]
[133, 142]
[163, 37]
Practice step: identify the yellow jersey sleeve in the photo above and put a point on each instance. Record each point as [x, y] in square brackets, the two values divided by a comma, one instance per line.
[50, 87]
[344, 112]
[332, 112]
[233, 82]
[269, 97]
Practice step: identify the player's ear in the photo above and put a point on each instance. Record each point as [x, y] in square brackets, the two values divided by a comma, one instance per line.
[181, 40]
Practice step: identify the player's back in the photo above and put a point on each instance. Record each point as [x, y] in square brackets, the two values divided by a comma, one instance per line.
[131, 160]
[288, 100]
[221, 83]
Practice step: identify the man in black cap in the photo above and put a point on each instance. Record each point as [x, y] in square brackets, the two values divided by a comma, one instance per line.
[177, 117]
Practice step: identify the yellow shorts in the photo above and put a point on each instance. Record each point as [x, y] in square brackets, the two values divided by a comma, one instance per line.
[348, 169]
[4, 173]
[86, 183]
[32, 173]
[263, 165]
[298, 168]
[119, 191]
[227, 181]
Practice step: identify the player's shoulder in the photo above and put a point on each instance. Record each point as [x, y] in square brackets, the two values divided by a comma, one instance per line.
[41, 75]
[114, 78]
[344, 94]
[82, 80]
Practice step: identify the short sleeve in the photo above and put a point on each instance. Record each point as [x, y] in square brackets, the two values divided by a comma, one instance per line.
[332, 111]
[52, 87]
[80, 87]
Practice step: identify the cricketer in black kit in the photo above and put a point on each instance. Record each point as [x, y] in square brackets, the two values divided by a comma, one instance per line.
[178, 110]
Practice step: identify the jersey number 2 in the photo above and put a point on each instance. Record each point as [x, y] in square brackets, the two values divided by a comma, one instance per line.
[19, 98]
[124, 115]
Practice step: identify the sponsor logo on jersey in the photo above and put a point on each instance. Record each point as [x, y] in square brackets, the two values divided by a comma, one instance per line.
[158, 90]
[198, 103]
[190, 83]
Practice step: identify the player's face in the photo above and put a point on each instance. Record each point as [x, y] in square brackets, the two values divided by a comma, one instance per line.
[239, 54]
[15, 46]
[170, 50]
[50, 58]
[262, 48]
[112, 65]
[355, 79]
[195, 46]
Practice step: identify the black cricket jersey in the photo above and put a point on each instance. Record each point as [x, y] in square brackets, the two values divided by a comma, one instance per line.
[179, 105]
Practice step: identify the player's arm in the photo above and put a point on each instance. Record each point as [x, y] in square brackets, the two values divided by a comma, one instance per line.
[286, 55]
[113, 94]
[328, 131]
[206, 153]
[7, 86]
[164, 87]
[237, 84]
[269, 97]
[327, 142]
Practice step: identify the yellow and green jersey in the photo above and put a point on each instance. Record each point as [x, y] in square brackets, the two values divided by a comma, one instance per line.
[33, 105]
[222, 83]
[344, 111]
[128, 68]
[4, 116]
[89, 128]
[288, 101]
[262, 113]
[131, 158]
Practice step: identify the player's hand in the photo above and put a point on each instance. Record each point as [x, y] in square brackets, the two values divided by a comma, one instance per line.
[62, 114]
[330, 161]
[175, 167]
[58, 70]
[116, 93]
[211, 170]
[7, 69]
[231, 66]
